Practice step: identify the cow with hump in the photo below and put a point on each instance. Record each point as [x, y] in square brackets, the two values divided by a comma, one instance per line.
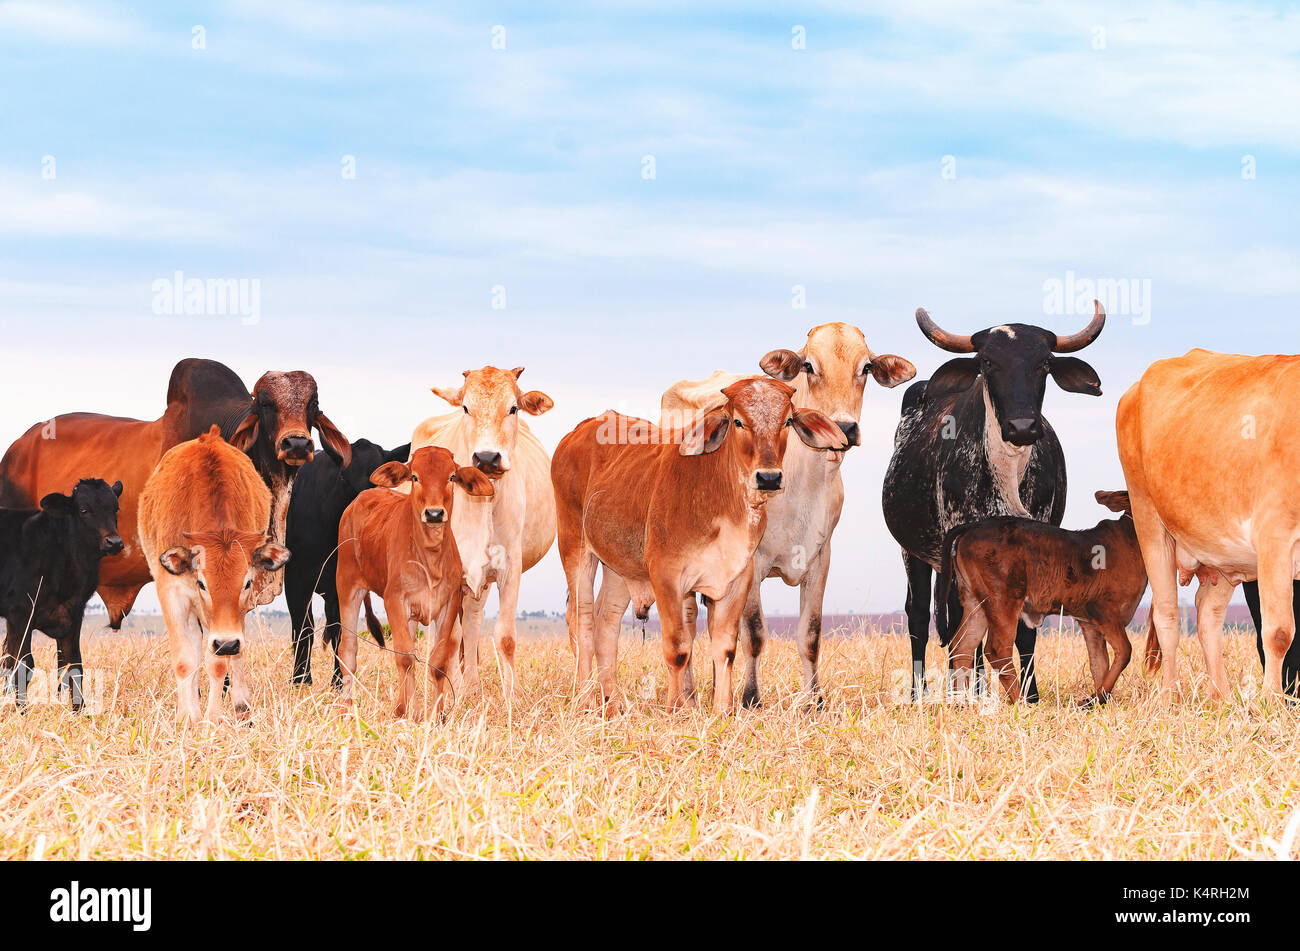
[501, 536]
[49, 567]
[272, 424]
[1209, 453]
[973, 443]
[400, 546]
[829, 374]
[203, 529]
[675, 513]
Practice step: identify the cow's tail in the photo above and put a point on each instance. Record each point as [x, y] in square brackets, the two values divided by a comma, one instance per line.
[946, 569]
[1152, 656]
[372, 622]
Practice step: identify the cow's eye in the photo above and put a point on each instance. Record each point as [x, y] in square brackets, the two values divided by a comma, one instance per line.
[415, 478]
[202, 586]
[866, 368]
[513, 410]
[248, 584]
[808, 368]
[84, 512]
[465, 408]
[739, 424]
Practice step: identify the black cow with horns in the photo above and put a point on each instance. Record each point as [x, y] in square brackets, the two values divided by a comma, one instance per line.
[972, 443]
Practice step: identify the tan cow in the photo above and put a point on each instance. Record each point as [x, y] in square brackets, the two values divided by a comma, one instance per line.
[828, 374]
[503, 536]
[674, 514]
[1209, 453]
[398, 545]
[203, 529]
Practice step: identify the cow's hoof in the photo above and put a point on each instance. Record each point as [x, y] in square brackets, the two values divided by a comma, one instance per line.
[750, 700]
[816, 703]
[612, 707]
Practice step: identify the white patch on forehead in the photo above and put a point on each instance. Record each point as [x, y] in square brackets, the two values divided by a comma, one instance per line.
[1004, 329]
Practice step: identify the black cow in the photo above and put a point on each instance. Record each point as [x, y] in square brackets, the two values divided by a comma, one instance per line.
[49, 568]
[324, 488]
[973, 443]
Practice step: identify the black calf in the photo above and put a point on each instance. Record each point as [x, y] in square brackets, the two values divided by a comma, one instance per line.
[49, 568]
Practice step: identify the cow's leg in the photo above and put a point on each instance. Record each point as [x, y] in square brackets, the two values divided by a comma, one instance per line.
[690, 622]
[956, 612]
[443, 657]
[1026, 639]
[505, 631]
[608, 619]
[1291, 662]
[1211, 606]
[1098, 660]
[582, 585]
[297, 595]
[1275, 585]
[400, 624]
[349, 618]
[1121, 651]
[1004, 621]
[9, 660]
[964, 647]
[18, 655]
[753, 638]
[1162, 572]
[330, 636]
[218, 671]
[676, 639]
[118, 599]
[918, 618]
[471, 623]
[71, 676]
[185, 653]
[239, 695]
[724, 630]
[812, 591]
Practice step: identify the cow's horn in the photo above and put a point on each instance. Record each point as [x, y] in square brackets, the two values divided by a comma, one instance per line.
[954, 343]
[1085, 336]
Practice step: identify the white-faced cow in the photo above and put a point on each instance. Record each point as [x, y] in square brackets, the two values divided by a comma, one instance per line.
[973, 443]
[828, 375]
[503, 535]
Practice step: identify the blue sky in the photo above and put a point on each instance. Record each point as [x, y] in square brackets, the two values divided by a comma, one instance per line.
[1103, 139]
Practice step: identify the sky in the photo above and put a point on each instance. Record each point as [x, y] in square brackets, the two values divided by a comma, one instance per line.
[621, 195]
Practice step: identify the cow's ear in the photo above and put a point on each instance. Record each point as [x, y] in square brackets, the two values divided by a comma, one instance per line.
[473, 481]
[706, 434]
[245, 434]
[782, 365]
[535, 403]
[1074, 376]
[331, 437]
[955, 376]
[400, 454]
[117, 488]
[1115, 501]
[270, 557]
[889, 370]
[454, 397]
[390, 475]
[55, 502]
[177, 560]
[817, 431]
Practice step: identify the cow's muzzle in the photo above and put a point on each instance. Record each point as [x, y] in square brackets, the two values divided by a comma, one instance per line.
[226, 647]
[852, 432]
[296, 450]
[767, 480]
[111, 545]
[1022, 432]
[489, 462]
[435, 516]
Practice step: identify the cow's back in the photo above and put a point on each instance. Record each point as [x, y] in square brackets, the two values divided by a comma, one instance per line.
[204, 485]
[1207, 440]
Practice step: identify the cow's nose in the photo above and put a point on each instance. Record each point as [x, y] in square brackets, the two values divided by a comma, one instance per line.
[1020, 432]
[767, 480]
[851, 433]
[228, 647]
[435, 516]
[112, 545]
[297, 447]
[487, 460]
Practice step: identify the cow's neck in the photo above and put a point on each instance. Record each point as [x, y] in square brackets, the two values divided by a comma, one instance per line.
[1007, 463]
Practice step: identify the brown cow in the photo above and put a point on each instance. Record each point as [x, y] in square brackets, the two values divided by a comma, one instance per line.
[401, 547]
[672, 513]
[1009, 568]
[203, 517]
[273, 425]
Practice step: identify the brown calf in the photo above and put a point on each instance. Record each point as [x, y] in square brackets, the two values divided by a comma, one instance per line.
[671, 513]
[1010, 568]
[401, 546]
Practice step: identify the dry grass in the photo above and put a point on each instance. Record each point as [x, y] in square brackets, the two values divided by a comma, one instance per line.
[866, 778]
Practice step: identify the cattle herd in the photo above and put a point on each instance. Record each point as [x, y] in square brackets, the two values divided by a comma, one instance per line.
[225, 500]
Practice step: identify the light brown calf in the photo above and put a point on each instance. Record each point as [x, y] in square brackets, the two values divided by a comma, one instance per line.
[401, 546]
